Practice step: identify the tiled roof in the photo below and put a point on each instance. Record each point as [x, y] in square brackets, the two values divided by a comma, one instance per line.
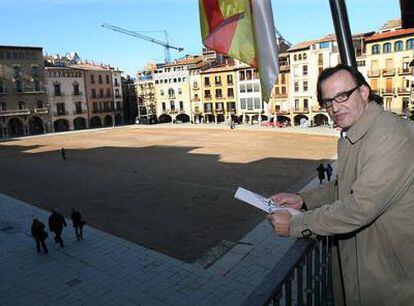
[391, 34]
[185, 61]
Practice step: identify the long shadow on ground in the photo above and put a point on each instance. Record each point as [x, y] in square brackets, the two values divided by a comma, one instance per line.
[164, 198]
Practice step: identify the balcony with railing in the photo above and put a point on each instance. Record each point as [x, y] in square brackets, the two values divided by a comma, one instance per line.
[403, 90]
[301, 110]
[405, 71]
[78, 93]
[388, 71]
[60, 113]
[303, 276]
[387, 91]
[14, 112]
[41, 110]
[374, 73]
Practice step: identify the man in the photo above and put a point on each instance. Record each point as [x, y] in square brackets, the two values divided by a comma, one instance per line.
[78, 223]
[56, 223]
[39, 235]
[372, 218]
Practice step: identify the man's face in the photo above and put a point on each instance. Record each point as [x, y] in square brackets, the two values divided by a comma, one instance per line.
[347, 113]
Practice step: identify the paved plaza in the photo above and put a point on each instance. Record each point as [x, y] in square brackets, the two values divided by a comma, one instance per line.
[112, 266]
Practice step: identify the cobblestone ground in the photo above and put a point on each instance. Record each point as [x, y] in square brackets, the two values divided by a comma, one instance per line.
[107, 270]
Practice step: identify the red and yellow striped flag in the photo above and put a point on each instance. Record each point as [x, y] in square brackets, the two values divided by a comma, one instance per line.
[243, 29]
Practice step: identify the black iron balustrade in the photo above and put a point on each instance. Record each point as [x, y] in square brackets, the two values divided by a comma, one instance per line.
[303, 276]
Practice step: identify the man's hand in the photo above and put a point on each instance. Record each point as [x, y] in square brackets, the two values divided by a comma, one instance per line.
[291, 200]
[280, 221]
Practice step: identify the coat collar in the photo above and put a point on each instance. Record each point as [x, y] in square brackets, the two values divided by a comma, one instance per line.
[361, 127]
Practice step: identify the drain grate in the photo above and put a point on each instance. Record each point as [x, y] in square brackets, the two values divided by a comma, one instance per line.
[73, 282]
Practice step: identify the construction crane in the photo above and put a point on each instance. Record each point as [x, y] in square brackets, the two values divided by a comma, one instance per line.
[165, 43]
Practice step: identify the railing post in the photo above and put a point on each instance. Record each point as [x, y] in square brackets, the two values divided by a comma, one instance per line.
[309, 272]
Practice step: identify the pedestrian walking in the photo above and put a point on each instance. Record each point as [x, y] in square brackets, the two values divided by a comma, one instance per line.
[56, 224]
[39, 235]
[321, 173]
[78, 223]
[329, 171]
[63, 152]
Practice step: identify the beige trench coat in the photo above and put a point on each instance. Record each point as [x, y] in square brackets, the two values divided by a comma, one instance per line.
[373, 219]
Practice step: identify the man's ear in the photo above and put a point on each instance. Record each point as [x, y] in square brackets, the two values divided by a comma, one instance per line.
[364, 90]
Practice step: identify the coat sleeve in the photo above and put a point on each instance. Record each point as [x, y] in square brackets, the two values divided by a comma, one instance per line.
[318, 196]
[385, 174]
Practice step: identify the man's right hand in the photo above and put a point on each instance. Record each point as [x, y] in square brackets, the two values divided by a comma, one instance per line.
[292, 200]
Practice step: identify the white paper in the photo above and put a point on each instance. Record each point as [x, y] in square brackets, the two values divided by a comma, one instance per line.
[260, 202]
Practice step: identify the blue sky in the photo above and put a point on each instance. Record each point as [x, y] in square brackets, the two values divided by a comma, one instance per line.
[61, 26]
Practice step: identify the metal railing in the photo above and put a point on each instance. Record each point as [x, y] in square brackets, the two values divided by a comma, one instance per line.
[303, 276]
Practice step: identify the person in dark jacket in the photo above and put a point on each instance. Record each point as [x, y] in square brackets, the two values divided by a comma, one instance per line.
[56, 223]
[321, 173]
[329, 171]
[78, 223]
[39, 235]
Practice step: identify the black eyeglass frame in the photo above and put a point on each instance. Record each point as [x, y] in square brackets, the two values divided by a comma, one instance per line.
[326, 103]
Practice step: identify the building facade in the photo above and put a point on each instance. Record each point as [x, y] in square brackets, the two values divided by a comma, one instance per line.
[23, 101]
[390, 53]
[218, 85]
[66, 98]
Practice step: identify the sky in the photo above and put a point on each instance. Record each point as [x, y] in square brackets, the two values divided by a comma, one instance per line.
[62, 26]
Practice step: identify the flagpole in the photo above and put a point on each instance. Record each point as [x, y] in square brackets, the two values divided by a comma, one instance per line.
[343, 32]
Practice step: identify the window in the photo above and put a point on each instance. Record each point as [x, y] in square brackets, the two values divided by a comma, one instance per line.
[162, 92]
[78, 107]
[95, 107]
[283, 81]
[398, 46]
[231, 106]
[256, 87]
[257, 103]
[56, 88]
[206, 81]
[324, 44]
[217, 80]
[172, 105]
[116, 82]
[305, 104]
[207, 94]
[405, 105]
[117, 95]
[1, 87]
[243, 103]
[242, 75]
[320, 59]
[22, 105]
[376, 49]
[229, 79]
[181, 105]
[305, 70]
[92, 79]
[296, 86]
[3, 106]
[230, 92]
[171, 92]
[60, 109]
[248, 75]
[164, 108]
[220, 106]
[386, 48]
[300, 57]
[242, 88]
[35, 71]
[100, 79]
[296, 104]
[101, 93]
[295, 57]
[219, 93]
[76, 89]
[17, 71]
[305, 85]
[108, 92]
[249, 87]
[36, 85]
[208, 107]
[94, 93]
[180, 91]
[410, 44]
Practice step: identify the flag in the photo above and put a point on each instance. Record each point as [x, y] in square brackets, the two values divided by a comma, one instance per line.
[244, 30]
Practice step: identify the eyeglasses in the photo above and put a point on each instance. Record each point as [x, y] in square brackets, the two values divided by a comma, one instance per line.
[339, 98]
